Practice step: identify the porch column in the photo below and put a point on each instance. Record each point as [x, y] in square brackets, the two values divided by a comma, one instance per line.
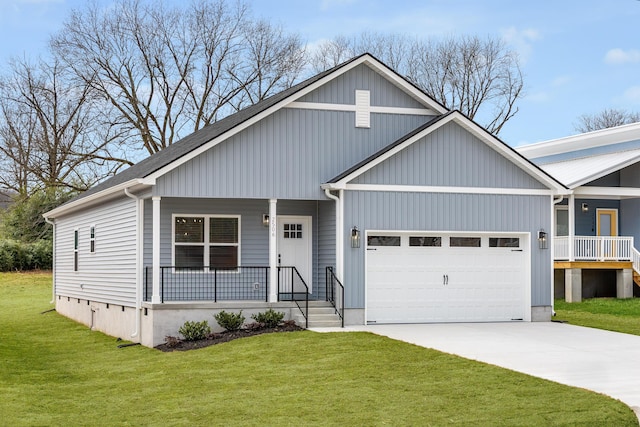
[155, 298]
[572, 225]
[273, 251]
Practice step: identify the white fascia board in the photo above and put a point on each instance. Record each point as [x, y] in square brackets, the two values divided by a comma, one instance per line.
[447, 189]
[582, 141]
[302, 92]
[93, 198]
[352, 108]
[607, 192]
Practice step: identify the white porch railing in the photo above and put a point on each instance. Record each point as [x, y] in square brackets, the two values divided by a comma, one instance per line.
[595, 248]
[635, 257]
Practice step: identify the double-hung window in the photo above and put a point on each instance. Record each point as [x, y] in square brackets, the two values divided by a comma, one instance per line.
[206, 241]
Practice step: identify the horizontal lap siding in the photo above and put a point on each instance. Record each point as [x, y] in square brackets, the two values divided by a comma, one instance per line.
[341, 90]
[109, 274]
[447, 212]
[450, 156]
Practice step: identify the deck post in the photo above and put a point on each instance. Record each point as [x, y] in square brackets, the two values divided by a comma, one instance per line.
[573, 285]
[624, 283]
[155, 298]
[273, 251]
[572, 226]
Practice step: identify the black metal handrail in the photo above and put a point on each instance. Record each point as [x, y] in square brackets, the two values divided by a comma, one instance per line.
[215, 284]
[331, 280]
[288, 278]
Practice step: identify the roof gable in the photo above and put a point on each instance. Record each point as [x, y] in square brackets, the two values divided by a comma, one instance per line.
[357, 171]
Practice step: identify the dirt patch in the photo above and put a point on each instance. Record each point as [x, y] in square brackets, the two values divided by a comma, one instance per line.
[175, 344]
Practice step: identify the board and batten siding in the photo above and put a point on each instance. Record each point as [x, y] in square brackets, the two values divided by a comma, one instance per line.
[288, 155]
[372, 210]
[254, 239]
[341, 90]
[449, 156]
[107, 275]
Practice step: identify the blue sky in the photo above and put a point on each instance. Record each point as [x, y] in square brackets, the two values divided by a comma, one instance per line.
[577, 56]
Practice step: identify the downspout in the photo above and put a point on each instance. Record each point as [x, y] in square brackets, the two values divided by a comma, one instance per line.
[339, 232]
[138, 264]
[53, 261]
[553, 234]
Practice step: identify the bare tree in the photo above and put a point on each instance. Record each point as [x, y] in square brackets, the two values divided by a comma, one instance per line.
[607, 118]
[479, 77]
[48, 134]
[167, 71]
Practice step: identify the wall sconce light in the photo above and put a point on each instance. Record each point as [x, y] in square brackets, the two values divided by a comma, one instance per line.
[355, 237]
[585, 207]
[265, 220]
[542, 239]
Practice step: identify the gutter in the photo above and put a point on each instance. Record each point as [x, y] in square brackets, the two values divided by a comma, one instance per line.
[139, 236]
[53, 261]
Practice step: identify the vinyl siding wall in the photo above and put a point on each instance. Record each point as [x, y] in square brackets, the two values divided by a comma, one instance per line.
[285, 156]
[449, 156]
[446, 212]
[341, 90]
[109, 274]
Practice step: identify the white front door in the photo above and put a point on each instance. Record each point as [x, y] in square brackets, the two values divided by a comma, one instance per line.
[294, 250]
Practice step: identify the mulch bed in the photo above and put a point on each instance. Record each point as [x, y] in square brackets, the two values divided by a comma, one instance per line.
[175, 344]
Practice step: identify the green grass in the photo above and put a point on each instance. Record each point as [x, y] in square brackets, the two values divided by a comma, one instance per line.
[619, 315]
[54, 371]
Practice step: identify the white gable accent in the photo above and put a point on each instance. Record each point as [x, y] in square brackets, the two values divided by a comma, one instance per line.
[363, 108]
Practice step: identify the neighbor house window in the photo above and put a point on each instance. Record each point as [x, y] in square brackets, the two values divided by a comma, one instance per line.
[92, 239]
[75, 250]
[206, 241]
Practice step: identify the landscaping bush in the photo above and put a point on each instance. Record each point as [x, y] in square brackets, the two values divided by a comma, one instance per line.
[194, 331]
[270, 318]
[229, 321]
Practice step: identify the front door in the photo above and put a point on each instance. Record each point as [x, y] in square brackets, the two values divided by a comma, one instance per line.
[607, 222]
[294, 250]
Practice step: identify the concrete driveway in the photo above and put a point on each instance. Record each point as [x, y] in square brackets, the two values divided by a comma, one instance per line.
[602, 361]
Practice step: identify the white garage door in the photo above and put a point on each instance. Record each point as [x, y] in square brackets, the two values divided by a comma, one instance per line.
[432, 277]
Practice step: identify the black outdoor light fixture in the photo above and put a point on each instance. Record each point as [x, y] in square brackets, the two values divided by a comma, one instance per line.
[585, 207]
[355, 237]
[542, 239]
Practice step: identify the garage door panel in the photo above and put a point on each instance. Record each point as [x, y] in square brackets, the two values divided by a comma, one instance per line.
[408, 284]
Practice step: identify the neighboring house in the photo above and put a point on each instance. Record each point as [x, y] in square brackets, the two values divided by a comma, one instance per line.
[597, 227]
[420, 214]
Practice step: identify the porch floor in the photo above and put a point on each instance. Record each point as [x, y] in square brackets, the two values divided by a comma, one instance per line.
[597, 265]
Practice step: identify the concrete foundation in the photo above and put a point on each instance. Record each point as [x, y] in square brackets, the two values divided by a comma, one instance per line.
[114, 320]
[624, 283]
[541, 313]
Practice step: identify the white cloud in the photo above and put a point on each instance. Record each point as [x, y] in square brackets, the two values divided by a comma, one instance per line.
[560, 81]
[620, 56]
[521, 40]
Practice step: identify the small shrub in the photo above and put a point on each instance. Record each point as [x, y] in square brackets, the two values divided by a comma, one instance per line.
[229, 321]
[270, 318]
[194, 331]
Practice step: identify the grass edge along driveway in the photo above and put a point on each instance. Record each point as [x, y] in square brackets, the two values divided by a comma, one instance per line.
[55, 371]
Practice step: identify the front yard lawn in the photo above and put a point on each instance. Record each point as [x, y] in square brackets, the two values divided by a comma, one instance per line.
[619, 315]
[54, 371]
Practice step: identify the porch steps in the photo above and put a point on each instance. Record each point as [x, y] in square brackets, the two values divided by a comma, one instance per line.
[321, 315]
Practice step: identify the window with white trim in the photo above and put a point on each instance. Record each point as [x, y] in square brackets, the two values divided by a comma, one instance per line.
[92, 239]
[75, 249]
[206, 241]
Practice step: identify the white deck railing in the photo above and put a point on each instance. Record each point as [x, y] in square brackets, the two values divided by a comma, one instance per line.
[595, 248]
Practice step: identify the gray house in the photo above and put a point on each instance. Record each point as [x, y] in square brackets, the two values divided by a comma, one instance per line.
[352, 190]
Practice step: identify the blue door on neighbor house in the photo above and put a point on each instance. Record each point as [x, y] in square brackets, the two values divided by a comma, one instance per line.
[294, 250]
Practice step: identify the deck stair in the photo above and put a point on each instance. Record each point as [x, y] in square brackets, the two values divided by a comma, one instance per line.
[321, 315]
[636, 277]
